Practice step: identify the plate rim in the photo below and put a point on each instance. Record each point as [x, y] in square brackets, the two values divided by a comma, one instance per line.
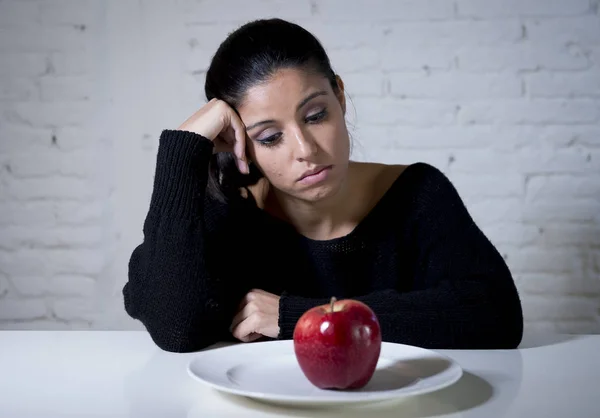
[456, 368]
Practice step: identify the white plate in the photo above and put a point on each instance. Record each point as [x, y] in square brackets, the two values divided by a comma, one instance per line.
[269, 371]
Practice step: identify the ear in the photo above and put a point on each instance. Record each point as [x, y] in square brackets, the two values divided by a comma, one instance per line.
[340, 95]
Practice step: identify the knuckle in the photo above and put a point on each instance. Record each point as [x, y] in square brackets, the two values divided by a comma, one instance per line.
[258, 317]
[252, 307]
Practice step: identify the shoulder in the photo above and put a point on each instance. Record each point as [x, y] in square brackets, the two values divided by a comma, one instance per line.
[422, 188]
[419, 178]
[426, 181]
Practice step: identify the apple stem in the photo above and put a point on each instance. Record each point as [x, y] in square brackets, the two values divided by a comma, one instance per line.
[333, 299]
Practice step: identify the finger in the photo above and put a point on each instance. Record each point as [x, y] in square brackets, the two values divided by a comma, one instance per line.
[251, 337]
[261, 292]
[248, 297]
[244, 313]
[239, 148]
[248, 326]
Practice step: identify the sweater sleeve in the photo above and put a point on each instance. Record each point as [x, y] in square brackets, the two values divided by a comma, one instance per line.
[464, 296]
[177, 284]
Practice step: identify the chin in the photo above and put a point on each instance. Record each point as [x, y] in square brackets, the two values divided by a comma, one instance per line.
[322, 192]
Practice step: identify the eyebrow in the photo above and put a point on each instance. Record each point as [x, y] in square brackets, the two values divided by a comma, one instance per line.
[302, 103]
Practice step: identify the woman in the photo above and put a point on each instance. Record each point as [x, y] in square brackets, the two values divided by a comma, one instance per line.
[257, 215]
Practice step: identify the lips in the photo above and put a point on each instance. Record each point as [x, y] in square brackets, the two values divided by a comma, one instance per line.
[314, 171]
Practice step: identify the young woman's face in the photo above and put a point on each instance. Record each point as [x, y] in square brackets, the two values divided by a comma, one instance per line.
[296, 127]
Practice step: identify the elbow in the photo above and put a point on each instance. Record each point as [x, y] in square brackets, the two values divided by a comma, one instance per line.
[512, 321]
[174, 340]
[509, 319]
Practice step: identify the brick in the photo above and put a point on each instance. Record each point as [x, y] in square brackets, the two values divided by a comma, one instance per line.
[49, 115]
[75, 309]
[4, 285]
[546, 260]
[206, 37]
[70, 63]
[525, 56]
[48, 324]
[39, 39]
[22, 309]
[551, 187]
[483, 161]
[35, 262]
[58, 188]
[18, 64]
[574, 85]
[451, 33]
[74, 138]
[583, 30]
[508, 234]
[489, 185]
[80, 164]
[382, 10]
[590, 326]
[78, 213]
[566, 307]
[436, 158]
[15, 237]
[411, 58]
[410, 112]
[71, 12]
[359, 84]
[455, 86]
[571, 210]
[17, 89]
[530, 112]
[596, 262]
[569, 234]
[194, 11]
[344, 61]
[508, 8]
[197, 61]
[18, 138]
[565, 160]
[571, 136]
[539, 326]
[72, 285]
[69, 88]
[424, 137]
[15, 13]
[33, 214]
[345, 35]
[35, 285]
[492, 210]
[556, 284]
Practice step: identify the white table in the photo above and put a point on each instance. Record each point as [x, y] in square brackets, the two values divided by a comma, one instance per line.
[54, 374]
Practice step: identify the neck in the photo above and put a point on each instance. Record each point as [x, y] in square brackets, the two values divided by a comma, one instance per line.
[321, 220]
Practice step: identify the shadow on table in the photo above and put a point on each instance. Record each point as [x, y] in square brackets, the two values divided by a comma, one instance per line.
[159, 389]
[539, 339]
[468, 392]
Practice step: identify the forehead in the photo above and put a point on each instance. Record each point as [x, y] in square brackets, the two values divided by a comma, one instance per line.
[283, 91]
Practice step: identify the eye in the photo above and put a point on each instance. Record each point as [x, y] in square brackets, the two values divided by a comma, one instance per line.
[317, 117]
[271, 140]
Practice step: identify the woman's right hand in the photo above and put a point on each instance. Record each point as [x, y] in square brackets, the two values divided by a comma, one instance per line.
[218, 122]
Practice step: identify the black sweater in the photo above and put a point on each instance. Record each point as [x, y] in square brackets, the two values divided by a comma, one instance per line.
[418, 260]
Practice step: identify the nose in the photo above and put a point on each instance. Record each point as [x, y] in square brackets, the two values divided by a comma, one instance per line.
[306, 145]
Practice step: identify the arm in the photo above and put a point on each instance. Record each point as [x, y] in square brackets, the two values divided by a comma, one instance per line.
[464, 295]
[176, 285]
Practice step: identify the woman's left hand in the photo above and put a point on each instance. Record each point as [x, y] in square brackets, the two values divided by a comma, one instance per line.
[258, 315]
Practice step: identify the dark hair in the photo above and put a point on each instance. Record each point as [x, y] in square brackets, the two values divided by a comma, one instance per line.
[248, 56]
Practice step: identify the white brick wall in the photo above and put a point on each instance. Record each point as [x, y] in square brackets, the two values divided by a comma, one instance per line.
[503, 96]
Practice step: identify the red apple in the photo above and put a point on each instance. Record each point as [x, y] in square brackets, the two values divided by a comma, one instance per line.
[338, 345]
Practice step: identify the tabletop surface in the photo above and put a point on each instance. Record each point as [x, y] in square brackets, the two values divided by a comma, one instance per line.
[123, 374]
